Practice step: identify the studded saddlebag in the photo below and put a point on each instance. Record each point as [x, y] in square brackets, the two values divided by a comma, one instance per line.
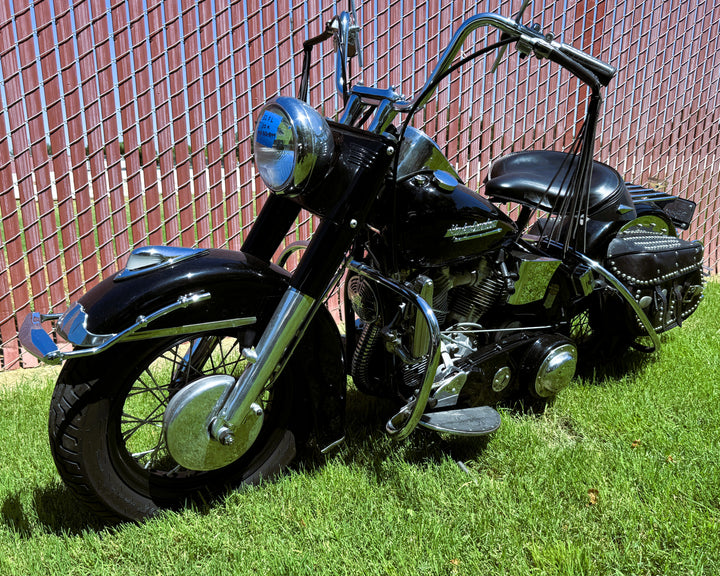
[663, 273]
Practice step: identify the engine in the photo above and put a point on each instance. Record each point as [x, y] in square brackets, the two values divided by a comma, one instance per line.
[485, 356]
[466, 297]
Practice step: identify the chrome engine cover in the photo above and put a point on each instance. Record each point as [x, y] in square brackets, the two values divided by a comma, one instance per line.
[549, 365]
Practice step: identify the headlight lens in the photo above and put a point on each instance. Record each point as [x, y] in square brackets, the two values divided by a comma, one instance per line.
[293, 146]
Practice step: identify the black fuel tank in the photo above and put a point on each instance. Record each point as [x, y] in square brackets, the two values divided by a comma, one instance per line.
[438, 226]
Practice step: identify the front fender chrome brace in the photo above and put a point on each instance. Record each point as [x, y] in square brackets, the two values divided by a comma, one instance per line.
[40, 344]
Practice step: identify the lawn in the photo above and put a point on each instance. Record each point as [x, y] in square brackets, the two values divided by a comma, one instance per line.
[621, 475]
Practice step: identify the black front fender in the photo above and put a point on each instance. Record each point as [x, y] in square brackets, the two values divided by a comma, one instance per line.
[240, 286]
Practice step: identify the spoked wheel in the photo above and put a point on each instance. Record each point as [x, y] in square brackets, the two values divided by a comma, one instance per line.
[106, 424]
[601, 331]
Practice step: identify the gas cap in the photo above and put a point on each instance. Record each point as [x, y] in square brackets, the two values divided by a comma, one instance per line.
[444, 180]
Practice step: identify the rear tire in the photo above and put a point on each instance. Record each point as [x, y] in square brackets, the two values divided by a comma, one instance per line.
[106, 418]
[602, 332]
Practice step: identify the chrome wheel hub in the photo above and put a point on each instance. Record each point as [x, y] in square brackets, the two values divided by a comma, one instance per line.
[187, 426]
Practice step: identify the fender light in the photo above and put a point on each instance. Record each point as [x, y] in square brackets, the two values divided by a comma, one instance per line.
[293, 146]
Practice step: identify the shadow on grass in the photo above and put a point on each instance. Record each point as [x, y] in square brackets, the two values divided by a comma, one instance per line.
[368, 446]
[52, 509]
[608, 372]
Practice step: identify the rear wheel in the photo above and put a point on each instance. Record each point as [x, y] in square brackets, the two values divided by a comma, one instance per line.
[106, 419]
[601, 331]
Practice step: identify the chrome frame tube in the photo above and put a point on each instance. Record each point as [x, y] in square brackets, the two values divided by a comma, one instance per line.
[402, 424]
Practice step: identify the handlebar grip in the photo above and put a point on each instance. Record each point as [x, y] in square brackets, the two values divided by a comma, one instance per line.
[604, 72]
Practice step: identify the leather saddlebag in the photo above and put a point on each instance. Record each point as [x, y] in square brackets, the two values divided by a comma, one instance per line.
[663, 273]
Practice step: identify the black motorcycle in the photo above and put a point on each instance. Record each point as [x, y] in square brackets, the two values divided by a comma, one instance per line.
[194, 369]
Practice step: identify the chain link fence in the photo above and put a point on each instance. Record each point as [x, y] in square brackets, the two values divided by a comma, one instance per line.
[128, 122]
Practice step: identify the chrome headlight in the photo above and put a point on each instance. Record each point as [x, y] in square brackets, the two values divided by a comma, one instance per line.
[293, 146]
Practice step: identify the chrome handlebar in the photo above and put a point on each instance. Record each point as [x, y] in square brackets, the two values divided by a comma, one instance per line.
[466, 28]
[529, 40]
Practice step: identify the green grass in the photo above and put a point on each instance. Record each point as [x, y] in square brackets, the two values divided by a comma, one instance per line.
[621, 475]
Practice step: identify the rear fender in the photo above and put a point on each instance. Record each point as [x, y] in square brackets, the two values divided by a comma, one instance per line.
[653, 218]
[240, 286]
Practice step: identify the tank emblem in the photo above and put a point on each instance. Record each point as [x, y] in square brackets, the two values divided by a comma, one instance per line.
[472, 231]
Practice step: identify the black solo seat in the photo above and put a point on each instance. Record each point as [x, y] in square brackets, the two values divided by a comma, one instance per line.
[540, 178]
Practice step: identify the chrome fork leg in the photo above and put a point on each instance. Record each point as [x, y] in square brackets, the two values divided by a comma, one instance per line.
[284, 330]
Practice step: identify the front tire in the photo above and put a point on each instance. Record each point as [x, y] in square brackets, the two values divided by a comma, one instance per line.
[106, 419]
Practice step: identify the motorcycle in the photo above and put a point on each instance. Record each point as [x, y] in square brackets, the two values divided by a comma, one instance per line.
[196, 369]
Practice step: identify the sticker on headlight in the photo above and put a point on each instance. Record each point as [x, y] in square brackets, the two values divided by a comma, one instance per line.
[267, 128]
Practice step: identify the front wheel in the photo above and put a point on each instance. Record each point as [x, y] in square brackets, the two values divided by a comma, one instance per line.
[106, 417]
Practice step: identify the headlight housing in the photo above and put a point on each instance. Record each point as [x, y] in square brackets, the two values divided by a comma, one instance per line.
[293, 146]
